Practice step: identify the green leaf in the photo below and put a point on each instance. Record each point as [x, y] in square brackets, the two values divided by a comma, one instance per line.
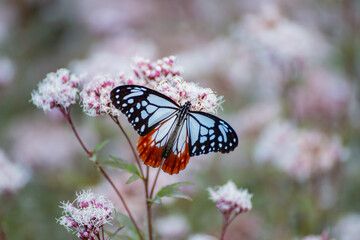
[97, 148]
[171, 190]
[123, 166]
[112, 235]
[101, 145]
[124, 220]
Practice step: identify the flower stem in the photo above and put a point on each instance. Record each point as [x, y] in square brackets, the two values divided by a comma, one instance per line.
[89, 153]
[68, 119]
[225, 225]
[148, 203]
[122, 200]
[155, 180]
[116, 120]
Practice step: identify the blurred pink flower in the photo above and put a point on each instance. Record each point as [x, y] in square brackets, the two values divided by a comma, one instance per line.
[103, 16]
[300, 153]
[280, 40]
[323, 96]
[348, 227]
[253, 119]
[13, 176]
[86, 215]
[7, 71]
[112, 56]
[58, 89]
[43, 145]
[172, 227]
[200, 236]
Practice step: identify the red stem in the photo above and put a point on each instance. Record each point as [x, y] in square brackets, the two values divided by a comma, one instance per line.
[116, 120]
[89, 153]
[148, 203]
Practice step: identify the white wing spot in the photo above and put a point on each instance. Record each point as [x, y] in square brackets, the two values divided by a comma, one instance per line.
[130, 101]
[203, 139]
[134, 94]
[137, 119]
[138, 105]
[142, 128]
[117, 96]
[118, 102]
[203, 131]
[123, 105]
[212, 137]
[220, 138]
[212, 144]
[144, 103]
[144, 114]
[118, 90]
[131, 110]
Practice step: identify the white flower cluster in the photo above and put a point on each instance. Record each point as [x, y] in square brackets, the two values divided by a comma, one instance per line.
[228, 198]
[91, 212]
[202, 99]
[58, 89]
[95, 96]
[12, 176]
[300, 153]
[155, 72]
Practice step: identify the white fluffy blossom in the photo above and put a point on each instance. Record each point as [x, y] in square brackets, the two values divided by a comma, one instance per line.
[87, 214]
[202, 99]
[228, 198]
[95, 96]
[12, 176]
[58, 89]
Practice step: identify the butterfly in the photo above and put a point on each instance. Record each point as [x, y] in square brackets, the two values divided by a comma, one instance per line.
[170, 134]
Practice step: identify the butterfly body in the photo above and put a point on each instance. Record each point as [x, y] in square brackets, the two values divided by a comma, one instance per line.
[170, 134]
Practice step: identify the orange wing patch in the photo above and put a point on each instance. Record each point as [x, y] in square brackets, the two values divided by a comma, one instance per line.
[174, 163]
[148, 151]
[151, 147]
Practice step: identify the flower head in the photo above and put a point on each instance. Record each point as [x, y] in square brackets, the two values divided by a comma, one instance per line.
[88, 215]
[58, 89]
[95, 96]
[229, 198]
[155, 72]
[202, 99]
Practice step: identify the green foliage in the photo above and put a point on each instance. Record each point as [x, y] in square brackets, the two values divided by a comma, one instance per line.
[128, 230]
[97, 149]
[171, 190]
[122, 166]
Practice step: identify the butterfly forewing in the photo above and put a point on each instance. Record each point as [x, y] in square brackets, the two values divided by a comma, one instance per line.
[143, 107]
[210, 134]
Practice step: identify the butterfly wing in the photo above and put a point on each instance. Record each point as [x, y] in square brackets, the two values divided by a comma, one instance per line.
[151, 146]
[179, 156]
[143, 107]
[209, 133]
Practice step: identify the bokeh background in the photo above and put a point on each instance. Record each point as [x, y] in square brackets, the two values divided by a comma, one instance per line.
[289, 72]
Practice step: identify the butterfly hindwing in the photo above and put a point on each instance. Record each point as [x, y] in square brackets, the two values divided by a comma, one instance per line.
[209, 133]
[179, 156]
[143, 107]
[151, 146]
